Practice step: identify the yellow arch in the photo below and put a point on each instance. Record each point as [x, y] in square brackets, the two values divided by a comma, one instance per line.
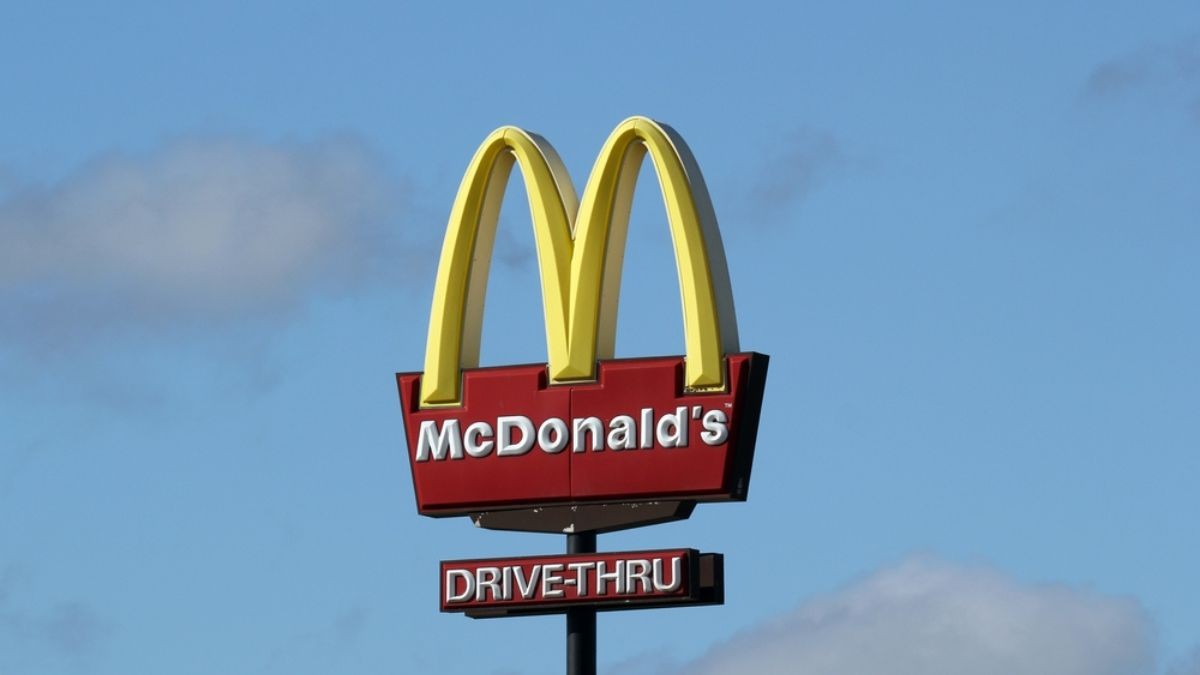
[456, 317]
[709, 319]
[580, 258]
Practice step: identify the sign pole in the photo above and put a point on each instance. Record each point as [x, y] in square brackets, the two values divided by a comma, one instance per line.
[581, 622]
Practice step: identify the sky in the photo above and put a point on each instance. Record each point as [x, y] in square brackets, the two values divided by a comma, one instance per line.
[967, 236]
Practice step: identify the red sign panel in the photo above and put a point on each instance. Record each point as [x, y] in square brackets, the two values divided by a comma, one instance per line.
[633, 434]
[543, 584]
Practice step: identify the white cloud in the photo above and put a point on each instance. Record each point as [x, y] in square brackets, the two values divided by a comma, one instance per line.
[924, 617]
[198, 228]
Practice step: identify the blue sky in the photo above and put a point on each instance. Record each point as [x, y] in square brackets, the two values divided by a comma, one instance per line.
[967, 236]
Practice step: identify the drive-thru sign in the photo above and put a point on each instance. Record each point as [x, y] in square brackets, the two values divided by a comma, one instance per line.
[585, 442]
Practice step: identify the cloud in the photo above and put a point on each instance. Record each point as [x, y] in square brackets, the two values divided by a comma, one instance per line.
[350, 623]
[69, 630]
[1175, 65]
[198, 229]
[74, 629]
[514, 252]
[798, 167]
[926, 616]
[1190, 666]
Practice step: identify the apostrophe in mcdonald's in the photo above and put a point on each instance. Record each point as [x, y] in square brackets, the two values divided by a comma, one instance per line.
[583, 428]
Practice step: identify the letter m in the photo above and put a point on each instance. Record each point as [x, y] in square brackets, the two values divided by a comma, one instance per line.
[434, 443]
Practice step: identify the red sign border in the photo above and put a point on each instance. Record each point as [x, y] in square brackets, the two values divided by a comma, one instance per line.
[737, 490]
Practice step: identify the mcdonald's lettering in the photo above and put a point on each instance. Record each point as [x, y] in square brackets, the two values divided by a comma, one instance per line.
[585, 427]
[515, 435]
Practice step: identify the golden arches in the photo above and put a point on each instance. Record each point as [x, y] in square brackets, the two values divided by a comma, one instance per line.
[579, 256]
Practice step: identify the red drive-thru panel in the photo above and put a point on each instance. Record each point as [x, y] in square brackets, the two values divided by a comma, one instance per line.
[545, 584]
[634, 434]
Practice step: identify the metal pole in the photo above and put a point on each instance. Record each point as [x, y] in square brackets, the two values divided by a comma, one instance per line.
[581, 623]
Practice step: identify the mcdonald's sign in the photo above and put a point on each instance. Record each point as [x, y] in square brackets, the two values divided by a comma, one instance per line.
[583, 432]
